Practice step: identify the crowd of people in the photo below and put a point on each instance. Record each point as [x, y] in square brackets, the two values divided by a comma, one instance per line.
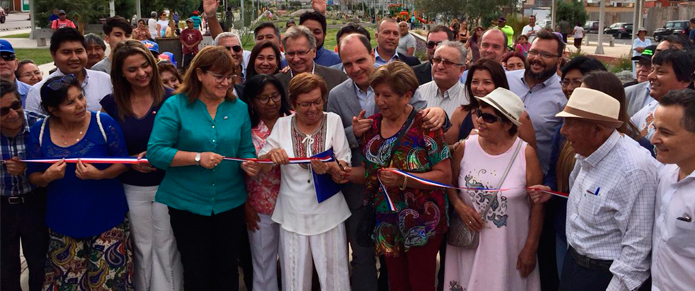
[494, 163]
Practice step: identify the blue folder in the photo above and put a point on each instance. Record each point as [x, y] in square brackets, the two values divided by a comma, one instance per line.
[324, 184]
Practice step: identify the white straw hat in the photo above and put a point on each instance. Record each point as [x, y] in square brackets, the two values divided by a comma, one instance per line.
[592, 104]
[506, 102]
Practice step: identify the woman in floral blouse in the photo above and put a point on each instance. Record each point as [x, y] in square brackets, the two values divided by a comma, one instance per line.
[266, 99]
[410, 234]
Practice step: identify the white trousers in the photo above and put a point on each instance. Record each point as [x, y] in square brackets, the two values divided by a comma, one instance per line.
[328, 251]
[264, 254]
[157, 261]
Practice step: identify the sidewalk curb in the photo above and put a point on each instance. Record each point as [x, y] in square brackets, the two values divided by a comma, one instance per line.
[14, 28]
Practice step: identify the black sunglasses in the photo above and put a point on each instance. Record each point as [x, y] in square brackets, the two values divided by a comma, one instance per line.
[432, 44]
[8, 56]
[14, 106]
[57, 84]
[235, 48]
[487, 117]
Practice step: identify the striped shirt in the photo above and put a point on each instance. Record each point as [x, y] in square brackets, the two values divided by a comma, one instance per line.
[16, 147]
[449, 100]
[610, 212]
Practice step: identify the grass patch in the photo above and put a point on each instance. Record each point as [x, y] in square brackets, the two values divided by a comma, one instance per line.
[19, 35]
[39, 56]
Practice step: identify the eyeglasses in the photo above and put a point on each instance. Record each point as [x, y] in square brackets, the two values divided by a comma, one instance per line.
[446, 63]
[235, 48]
[432, 44]
[297, 53]
[264, 99]
[58, 84]
[306, 105]
[220, 78]
[487, 117]
[567, 82]
[14, 106]
[543, 54]
[8, 56]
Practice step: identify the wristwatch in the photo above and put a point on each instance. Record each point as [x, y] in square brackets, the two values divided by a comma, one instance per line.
[197, 159]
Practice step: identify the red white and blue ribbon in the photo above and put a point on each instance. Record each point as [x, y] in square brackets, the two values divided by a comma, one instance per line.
[441, 185]
[392, 206]
[133, 160]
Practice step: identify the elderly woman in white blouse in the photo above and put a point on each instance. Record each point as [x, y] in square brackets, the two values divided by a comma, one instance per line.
[309, 231]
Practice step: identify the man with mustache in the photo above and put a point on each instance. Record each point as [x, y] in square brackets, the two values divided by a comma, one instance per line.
[435, 36]
[70, 57]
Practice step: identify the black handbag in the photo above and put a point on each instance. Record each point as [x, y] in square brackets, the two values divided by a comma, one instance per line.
[365, 228]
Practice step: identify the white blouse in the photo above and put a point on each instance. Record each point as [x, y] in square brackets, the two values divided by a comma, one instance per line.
[297, 209]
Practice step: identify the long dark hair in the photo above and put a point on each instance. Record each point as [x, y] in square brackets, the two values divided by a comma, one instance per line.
[122, 89]
[497, 73]
[251, 69]
[254, 87]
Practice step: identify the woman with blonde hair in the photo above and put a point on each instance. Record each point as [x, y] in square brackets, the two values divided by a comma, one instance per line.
[137, 96]
[193, 131]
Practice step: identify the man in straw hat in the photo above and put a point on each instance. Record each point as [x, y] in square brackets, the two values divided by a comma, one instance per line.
[610, 212]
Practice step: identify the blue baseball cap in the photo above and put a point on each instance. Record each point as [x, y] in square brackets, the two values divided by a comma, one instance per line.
[6, 46]
[168, 57]
[151, 45]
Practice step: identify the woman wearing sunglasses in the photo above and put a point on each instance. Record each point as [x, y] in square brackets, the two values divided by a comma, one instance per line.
[265, 59]
[484, 76]
[507, 222]
[266, 99]
[137, 96]
[193, 131]
[86, 207]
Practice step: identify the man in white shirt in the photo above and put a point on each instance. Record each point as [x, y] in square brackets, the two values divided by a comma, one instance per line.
[610, 211]
[530, 30]
[445, 91]
[406, 44]
[671, 70]
[70, 56]
[152, 24]
[673, 251]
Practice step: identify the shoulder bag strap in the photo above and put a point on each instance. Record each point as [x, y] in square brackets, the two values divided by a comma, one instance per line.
[504, 176]
[43, 128]
[101, 128]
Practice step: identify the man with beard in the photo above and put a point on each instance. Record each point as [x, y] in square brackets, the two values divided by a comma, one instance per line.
[539, 88]
[435, 36]
[70, 56]
[354, 98]
[387, 37]
[671, 70]
[316, 23]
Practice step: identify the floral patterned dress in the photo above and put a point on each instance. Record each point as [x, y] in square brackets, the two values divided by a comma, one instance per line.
[263, 189]
[420, 214]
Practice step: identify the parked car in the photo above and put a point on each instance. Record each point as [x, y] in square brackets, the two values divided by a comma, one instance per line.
[591, 26]
[619, 30]
[672, 27]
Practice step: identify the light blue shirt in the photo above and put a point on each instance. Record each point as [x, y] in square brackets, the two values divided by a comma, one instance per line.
[542, 102]
[378, 61]
[639, 43]
[23, 90]
[96, 86]
[366, 99]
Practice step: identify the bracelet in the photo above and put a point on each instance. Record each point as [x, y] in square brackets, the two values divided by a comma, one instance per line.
[405, 183]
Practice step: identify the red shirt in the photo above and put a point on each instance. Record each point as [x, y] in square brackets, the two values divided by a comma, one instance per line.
[60, 24]
[190, 37]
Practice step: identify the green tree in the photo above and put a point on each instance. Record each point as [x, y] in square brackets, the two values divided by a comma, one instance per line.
[85, 11]
[572, 11]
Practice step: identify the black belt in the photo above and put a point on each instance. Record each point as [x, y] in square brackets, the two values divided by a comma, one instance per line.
[21, 199]
[589, 263]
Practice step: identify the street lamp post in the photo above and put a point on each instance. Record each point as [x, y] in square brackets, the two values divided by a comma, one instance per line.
[601, 18]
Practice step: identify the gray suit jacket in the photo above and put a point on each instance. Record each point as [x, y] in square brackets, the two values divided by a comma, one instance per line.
[342, 100]
[332, 77]
[636, 97]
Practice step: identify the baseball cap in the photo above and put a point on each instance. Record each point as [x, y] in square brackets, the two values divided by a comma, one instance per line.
[61, 12]
[6, 46]
[502, 19]
[647, 54]
[189, 20]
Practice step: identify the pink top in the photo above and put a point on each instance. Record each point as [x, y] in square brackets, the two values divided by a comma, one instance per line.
[492, 266]
[263, 189]
[60, 24]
